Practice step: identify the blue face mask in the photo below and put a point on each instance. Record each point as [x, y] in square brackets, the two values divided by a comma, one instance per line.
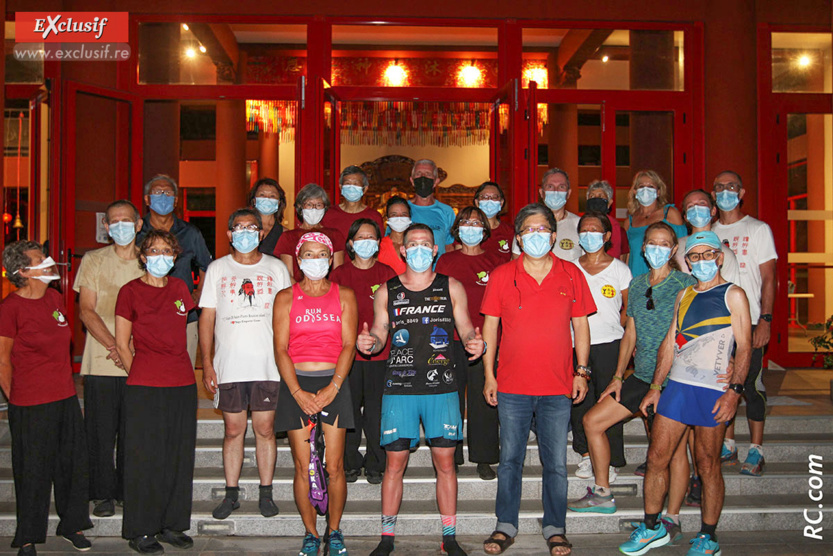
[537, 244]
[704, 270]
[266, 205]
[162, 204]
[727, 200]
[245, 241]
[470, 235]
[657, 255]
[591, 241]
[159, 265]
[489, 208]
[365, 248]
[646, 196]
[419, 258]
[555, 199]
[123, 233]
[698, 216]
[352, 192]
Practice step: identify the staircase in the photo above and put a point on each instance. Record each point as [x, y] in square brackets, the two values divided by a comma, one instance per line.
[775, 501]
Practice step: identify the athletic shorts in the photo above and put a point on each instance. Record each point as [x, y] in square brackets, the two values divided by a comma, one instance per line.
[691, 405]
[290, 417]
[632, 393]
[261, 395]
[439, 413]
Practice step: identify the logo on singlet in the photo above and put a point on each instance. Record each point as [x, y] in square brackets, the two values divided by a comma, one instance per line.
[439, 338]
[432, 375]
[448, 377]
[400, 338]
[401, 299]
[438, 359]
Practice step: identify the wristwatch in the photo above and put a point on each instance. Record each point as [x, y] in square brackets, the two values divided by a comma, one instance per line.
[767, 317]
[583, 371]
[736, 388]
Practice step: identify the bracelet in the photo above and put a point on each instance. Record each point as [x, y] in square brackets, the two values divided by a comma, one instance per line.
[339, 376]
[333, 382]
[619, 378]
[585, 376]
[657, 387]
[296, 391]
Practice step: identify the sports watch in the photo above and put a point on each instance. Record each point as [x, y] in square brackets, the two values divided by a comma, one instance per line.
[736, 388]
[767, 317]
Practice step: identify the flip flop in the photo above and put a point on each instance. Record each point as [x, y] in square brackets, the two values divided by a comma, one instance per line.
[503, 543]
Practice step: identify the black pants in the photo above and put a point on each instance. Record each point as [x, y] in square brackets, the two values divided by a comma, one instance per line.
[48, 449]
[602, 362]
[367, 382]
[103, 397]
[160, 436]
[481, 418]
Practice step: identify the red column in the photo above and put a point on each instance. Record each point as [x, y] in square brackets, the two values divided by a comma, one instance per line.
[231, 190]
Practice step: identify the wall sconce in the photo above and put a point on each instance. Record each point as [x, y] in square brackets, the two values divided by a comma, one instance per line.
[537, 74]
[395, 75]
[469, 76]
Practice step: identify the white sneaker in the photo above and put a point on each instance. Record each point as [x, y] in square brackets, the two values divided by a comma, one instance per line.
[585, 468]
[612, 474]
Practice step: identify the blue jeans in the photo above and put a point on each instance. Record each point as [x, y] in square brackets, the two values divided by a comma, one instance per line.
[552, 415]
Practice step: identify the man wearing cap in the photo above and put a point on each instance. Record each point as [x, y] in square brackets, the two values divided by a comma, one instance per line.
[710, 319]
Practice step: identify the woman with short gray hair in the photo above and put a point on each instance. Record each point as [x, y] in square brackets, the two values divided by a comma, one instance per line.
[600, 199]
[311, 204]
[353, 184]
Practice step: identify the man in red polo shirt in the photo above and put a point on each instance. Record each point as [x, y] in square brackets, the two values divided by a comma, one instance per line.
[536, 298]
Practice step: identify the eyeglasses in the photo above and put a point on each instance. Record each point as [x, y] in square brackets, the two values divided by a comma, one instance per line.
[649, 293]
[249, 228]
[318, 205]
[166, 251]
[705, 256]
[475, 222]
[489, 198]
[533, 229]
[165, 192]
[731, 186]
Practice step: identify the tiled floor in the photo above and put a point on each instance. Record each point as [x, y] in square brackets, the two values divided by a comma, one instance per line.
[789, 543]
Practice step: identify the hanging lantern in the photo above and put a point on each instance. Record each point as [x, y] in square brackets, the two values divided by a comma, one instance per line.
[7, 217]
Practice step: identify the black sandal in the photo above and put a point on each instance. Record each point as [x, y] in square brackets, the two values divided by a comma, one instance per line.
[503, 543]
[553, 544]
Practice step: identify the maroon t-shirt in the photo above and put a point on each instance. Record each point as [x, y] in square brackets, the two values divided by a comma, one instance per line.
[41, 368]
[473, 272]
[500, 241]
[159, 317]
[364, 282]
[289, 240]
[336, 218]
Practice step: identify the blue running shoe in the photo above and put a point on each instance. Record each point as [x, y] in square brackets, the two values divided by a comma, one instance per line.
[336, 543]
[310, 546]
[754, 464]
[727, 456]
[595, 503]
[643, 539]
[703, 545]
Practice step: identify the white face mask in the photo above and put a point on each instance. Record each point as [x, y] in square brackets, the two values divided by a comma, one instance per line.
[313, 216]
[315, 269]
[47, 263]
[399, 223]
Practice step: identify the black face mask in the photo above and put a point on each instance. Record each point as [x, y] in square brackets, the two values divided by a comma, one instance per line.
[597, 204]
[423, 186]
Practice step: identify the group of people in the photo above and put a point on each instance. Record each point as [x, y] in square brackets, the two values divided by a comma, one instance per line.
[431, 316]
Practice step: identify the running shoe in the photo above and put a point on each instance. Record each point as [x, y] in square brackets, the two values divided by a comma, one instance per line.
[643, 539]
[585, 468]
[703, 545]
[336, 543]
[641, 469]
[727, 456]
[695, 492]
[674, 531]
[612, 474]
[754, 464]
[594, 503]
[310, 546]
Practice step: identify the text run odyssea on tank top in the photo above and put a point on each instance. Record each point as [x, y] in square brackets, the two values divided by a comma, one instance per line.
[704, 339]
[422, 339]
[315, 326]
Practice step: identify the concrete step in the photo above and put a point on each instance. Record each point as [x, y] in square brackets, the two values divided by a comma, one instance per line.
[474, 517]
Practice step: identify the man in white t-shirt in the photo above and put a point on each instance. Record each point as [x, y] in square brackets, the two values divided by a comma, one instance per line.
[699, 210]
[754, 247]
[554, 192]
[236, 326]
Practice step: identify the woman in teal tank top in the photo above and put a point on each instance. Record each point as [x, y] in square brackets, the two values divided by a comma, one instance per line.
[648, 203]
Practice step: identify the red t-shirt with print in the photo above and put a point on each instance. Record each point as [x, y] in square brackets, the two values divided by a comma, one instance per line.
[41, 368]
[337, 218]
[473, 272]
[500, 241]
[159, 317]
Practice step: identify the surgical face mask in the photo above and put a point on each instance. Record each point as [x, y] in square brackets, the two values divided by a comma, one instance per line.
[646, 196]
[698, 216]
[352, 192]
[122, 233]
[419, 258]
[727, 200]
[162, 204]
[470, 235]
[490, 208]
[423, 186]
[315, 269]
[537, 244]
[313, 216]
[657, 255]
[597, 204]
[555, 199]
[159, 265]
[704, 270]
[46, 263]
[365, 248]
[245, 241]
[591, 241]
[399, 223]
[267, 205]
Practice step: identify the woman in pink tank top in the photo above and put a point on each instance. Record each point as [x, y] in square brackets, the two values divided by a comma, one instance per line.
[315, 324]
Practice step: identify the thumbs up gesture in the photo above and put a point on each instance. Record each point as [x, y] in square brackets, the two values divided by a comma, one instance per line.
[366, 341]
[476, 346]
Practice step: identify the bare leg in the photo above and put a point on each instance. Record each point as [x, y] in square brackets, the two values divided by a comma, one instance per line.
[392, 481]
[665, 438]
[601, 417]
[679, 475]
[263, 424]
[446, 480]
[299, 444]
[336, 484]
[235, 434]
[707, 452]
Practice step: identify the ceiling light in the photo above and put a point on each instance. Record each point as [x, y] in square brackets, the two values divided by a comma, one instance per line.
[537, 74]
[395, 75]
[804, 61]
[469, 76]
[203, 49]
[190, 52]
[605, 58]
[184, 26]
